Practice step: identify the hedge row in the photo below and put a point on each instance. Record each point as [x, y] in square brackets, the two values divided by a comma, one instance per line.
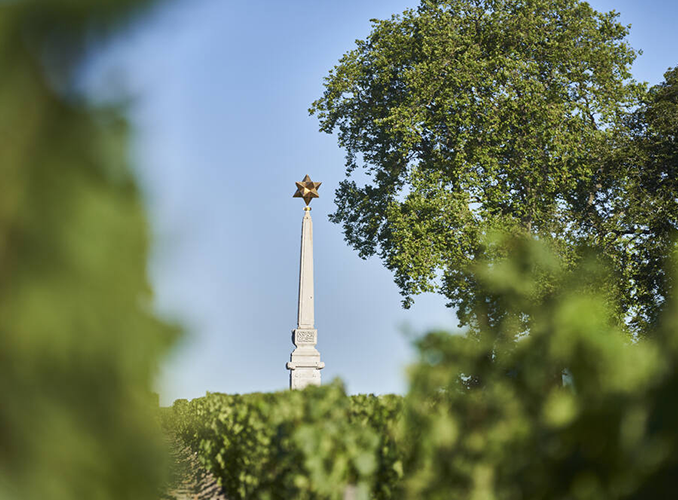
[295, 444]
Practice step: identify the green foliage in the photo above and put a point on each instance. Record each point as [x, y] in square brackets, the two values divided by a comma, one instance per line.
[489, 416]
[473, 116]
[79, 342]
[642, 224]
[306, 444]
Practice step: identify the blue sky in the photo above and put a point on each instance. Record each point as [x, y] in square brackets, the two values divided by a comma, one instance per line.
[218, 97]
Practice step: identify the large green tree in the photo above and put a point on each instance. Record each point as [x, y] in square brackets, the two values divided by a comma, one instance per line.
[474, 116]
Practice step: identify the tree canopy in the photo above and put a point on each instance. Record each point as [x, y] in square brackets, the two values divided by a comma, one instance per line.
[468, 117]
[642, 220]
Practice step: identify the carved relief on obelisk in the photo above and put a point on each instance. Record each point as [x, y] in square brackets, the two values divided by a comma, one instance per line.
[305, 364]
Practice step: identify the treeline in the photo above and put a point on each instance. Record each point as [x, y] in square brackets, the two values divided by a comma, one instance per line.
[572, 409]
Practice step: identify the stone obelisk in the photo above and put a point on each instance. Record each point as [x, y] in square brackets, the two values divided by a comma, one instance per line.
[305, 364]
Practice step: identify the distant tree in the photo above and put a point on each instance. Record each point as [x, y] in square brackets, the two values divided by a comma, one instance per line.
[474, 116]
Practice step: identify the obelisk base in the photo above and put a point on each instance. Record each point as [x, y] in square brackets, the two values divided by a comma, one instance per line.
[304, 364]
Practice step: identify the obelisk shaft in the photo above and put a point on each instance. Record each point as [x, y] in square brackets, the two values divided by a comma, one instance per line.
[305, 364]
[305, 314]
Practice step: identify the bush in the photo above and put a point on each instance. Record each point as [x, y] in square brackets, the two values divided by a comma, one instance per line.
[307, 444]
[568, 409]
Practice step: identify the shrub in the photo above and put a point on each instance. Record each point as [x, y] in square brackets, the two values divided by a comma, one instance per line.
[307, 444]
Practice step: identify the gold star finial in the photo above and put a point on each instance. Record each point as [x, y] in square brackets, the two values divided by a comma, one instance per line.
[307, 189]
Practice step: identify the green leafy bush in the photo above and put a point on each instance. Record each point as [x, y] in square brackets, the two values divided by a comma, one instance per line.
[307, 444]
[568, 408]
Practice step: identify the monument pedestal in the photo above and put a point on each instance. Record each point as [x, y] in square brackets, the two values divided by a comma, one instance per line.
[304, 364]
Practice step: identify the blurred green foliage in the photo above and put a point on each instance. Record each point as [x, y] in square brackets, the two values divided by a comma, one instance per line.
[304, 445]
[567, 409]
[79, 342]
